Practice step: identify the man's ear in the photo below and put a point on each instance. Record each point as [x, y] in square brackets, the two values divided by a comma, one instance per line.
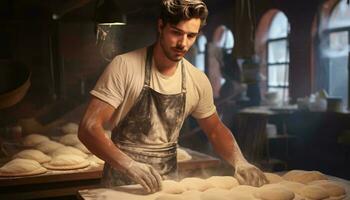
[160, 25]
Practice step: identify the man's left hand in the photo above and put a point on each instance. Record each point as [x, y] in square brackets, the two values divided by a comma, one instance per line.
[248, 174]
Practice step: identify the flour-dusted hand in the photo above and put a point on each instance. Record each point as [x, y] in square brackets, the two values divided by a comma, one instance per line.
[248, 174]
[145, 175]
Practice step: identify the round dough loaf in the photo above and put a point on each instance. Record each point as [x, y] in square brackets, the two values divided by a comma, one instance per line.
[70, 139]
[292, 186]
[313, 192]
[33, 154]
[224, 182]
[245, 189]
[304, 177]
[48, 146]
[82, 148]
[273, 192]
[182, 155]
[194, 183]
[67, 162]
[21, 167]
[70, 128]
[215, 194]
[68, 150]
[240, 195]
[172, 187]
[95, 160]
[331, 187]
[191, 195]
[34, 139]
[273, 178]
[170, 197]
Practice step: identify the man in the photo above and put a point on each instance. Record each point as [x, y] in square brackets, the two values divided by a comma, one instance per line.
[145, 95]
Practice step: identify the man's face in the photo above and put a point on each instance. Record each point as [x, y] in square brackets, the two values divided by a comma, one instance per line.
[176, 40]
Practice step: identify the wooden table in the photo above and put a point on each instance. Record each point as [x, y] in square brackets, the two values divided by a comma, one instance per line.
[67, 183]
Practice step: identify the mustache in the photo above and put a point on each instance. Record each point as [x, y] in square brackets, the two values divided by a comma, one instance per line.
[180, 48]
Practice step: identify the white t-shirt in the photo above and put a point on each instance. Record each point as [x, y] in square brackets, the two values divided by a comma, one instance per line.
[123, 79]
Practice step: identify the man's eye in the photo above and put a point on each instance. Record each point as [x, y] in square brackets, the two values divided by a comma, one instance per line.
[191, 35]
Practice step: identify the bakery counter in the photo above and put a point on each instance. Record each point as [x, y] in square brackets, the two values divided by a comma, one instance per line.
[56, 183]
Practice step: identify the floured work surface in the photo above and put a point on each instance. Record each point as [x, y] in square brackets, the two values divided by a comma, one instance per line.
[284, 190]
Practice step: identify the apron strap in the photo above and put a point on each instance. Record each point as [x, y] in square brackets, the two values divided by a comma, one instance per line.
[149, 66]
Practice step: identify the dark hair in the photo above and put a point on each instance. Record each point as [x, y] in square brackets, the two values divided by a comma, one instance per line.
[174, 11]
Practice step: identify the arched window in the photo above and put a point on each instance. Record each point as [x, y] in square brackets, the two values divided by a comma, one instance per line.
[201, 44]
[335, 50]
[278, 56]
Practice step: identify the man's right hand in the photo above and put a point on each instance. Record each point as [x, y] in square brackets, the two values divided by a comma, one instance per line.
[145, 175]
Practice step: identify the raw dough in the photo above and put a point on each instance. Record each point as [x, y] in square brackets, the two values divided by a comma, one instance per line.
[292, 186]
[34, 139]
[313, 192]
[245, 189]
[67, 162]
[273, 192]
[332, 188]
[182, 155]
[21, 167]
[191, 195]
[95, 160]
[194, 183]
[224, 182]
[33, 154]
[304, 177]
[273, 178]
[49, 146]
[239, 195]
[70, 128]
[170, 197]
[68, 150]
[70, 139]
[215, 194]
[82, 148]
[172, 187]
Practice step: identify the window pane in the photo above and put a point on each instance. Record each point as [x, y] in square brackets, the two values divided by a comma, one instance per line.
[278, 75]
[340, 16]
[279, 26]
[282, 94]
[278, 51]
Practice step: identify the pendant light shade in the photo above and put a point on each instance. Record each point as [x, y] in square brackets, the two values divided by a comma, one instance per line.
[108, 13]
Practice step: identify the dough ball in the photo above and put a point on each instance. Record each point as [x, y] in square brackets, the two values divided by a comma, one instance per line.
[33, 154]
[95, 160]
[304, 177]
[70, 128]
[240, 195]
[67, 162]
[70, 139]
[48, 146]
[274, 192]
[68, 150]
[194, 183]
[313, 192]
[292, 186]
[34, 139]
[172, 187]
[333, 188]
[170, 197]
[224, 182]
[273, 178]
[21, 167]
[245, 189]
[191, 195]
[182, 155]
[82, 148]
[215, 194]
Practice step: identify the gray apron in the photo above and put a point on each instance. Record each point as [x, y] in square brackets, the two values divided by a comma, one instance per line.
[150, 130]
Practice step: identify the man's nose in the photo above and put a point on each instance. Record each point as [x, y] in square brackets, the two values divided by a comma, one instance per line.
[183, 41]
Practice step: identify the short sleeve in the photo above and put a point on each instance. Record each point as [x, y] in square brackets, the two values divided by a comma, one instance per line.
[205, 106]
[110, 87]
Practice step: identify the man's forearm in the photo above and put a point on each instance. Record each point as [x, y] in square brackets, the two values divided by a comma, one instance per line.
[98, 143]
[225, 144]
